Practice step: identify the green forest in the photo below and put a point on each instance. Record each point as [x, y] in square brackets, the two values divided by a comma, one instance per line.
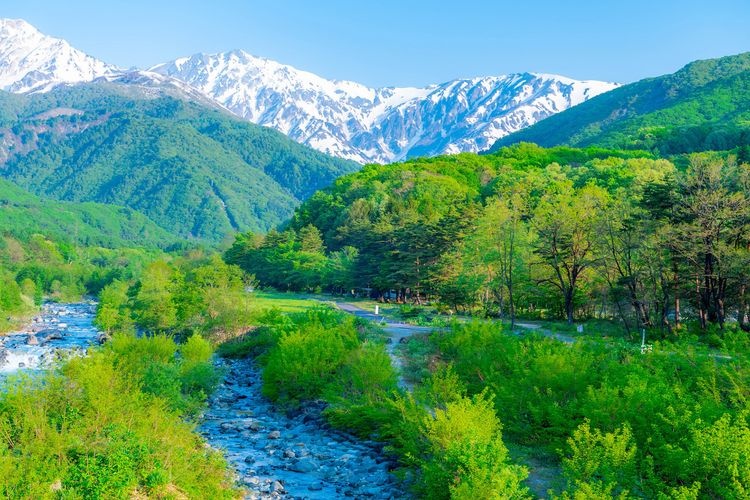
[529, 232]
[567, 320]
[194, 170]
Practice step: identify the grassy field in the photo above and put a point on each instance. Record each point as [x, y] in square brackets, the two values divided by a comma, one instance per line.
[285, 302]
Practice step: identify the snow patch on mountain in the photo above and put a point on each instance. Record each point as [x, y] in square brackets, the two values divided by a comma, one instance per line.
[33, 62]
[350, 120]
[343, 118]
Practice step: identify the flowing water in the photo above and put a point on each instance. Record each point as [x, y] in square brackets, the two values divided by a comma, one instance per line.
[275, 454]
[281, 455]
[59, 330]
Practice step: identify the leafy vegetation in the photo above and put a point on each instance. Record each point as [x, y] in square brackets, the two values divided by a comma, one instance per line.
[701, 107]
[625, 423]
[197, 172]
[449, 444]
[23, 214]
[192, 294]
[110, 426]
[612, 235]
[37, 267]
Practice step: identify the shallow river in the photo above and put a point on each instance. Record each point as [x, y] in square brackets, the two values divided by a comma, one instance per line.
[275, 455]
[59, 329]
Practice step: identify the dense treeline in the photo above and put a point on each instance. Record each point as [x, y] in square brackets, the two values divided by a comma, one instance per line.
[36, 267]
[548, 233]
[179, 296]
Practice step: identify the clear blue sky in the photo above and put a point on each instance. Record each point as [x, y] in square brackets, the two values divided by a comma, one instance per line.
[403, 42]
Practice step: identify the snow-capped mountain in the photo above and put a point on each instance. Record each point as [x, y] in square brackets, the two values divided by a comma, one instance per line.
[33, 62]
[342, 118]
[350, 120]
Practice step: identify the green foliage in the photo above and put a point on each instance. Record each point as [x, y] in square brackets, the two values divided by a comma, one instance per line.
[602, 461]
[23, 214]
[625, 423]
[700, 107]
[190, 294]
[467, 458]
[307, 356]
[194, 171]
[109, 426]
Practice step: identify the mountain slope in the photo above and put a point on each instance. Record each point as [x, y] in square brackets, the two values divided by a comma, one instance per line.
[31, 61]
[23, 214]
[350, 120]
[342, 118]
[705, 105]
[195, 171]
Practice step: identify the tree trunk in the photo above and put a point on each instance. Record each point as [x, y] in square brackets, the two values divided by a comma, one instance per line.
[743, 315]
[569, 305]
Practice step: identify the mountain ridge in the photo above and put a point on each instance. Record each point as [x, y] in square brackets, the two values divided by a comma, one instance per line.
[339, 117]
[350, 120]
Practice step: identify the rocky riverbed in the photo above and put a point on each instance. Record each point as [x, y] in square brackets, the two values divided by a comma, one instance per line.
[58, 330]
[277, 455]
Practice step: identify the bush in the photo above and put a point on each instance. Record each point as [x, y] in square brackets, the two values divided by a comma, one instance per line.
[306, 358]
[105, 426]
[466, 455]
[603, 462]
[358, 392]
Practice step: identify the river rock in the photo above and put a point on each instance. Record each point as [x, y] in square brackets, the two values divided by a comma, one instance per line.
[227, 427]
[304, 465]
[298, 450]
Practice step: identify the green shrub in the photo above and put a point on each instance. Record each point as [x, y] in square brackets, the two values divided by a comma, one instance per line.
[104, 426]
[603, 461]
[304, 361]
[358, 392]
[466, 455]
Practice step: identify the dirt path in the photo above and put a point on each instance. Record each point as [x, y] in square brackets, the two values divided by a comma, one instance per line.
[536, 328]
[397, 332]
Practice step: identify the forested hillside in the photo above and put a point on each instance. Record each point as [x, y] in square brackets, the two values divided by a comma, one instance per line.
[195, 171]
[547, 233]
[23, 214]
[701, 107]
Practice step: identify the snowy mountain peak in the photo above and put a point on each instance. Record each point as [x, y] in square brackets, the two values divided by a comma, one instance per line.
[31, 61]
[353, 121]
[339, 117]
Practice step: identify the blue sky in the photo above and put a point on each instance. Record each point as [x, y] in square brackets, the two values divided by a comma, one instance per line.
[407, 42]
